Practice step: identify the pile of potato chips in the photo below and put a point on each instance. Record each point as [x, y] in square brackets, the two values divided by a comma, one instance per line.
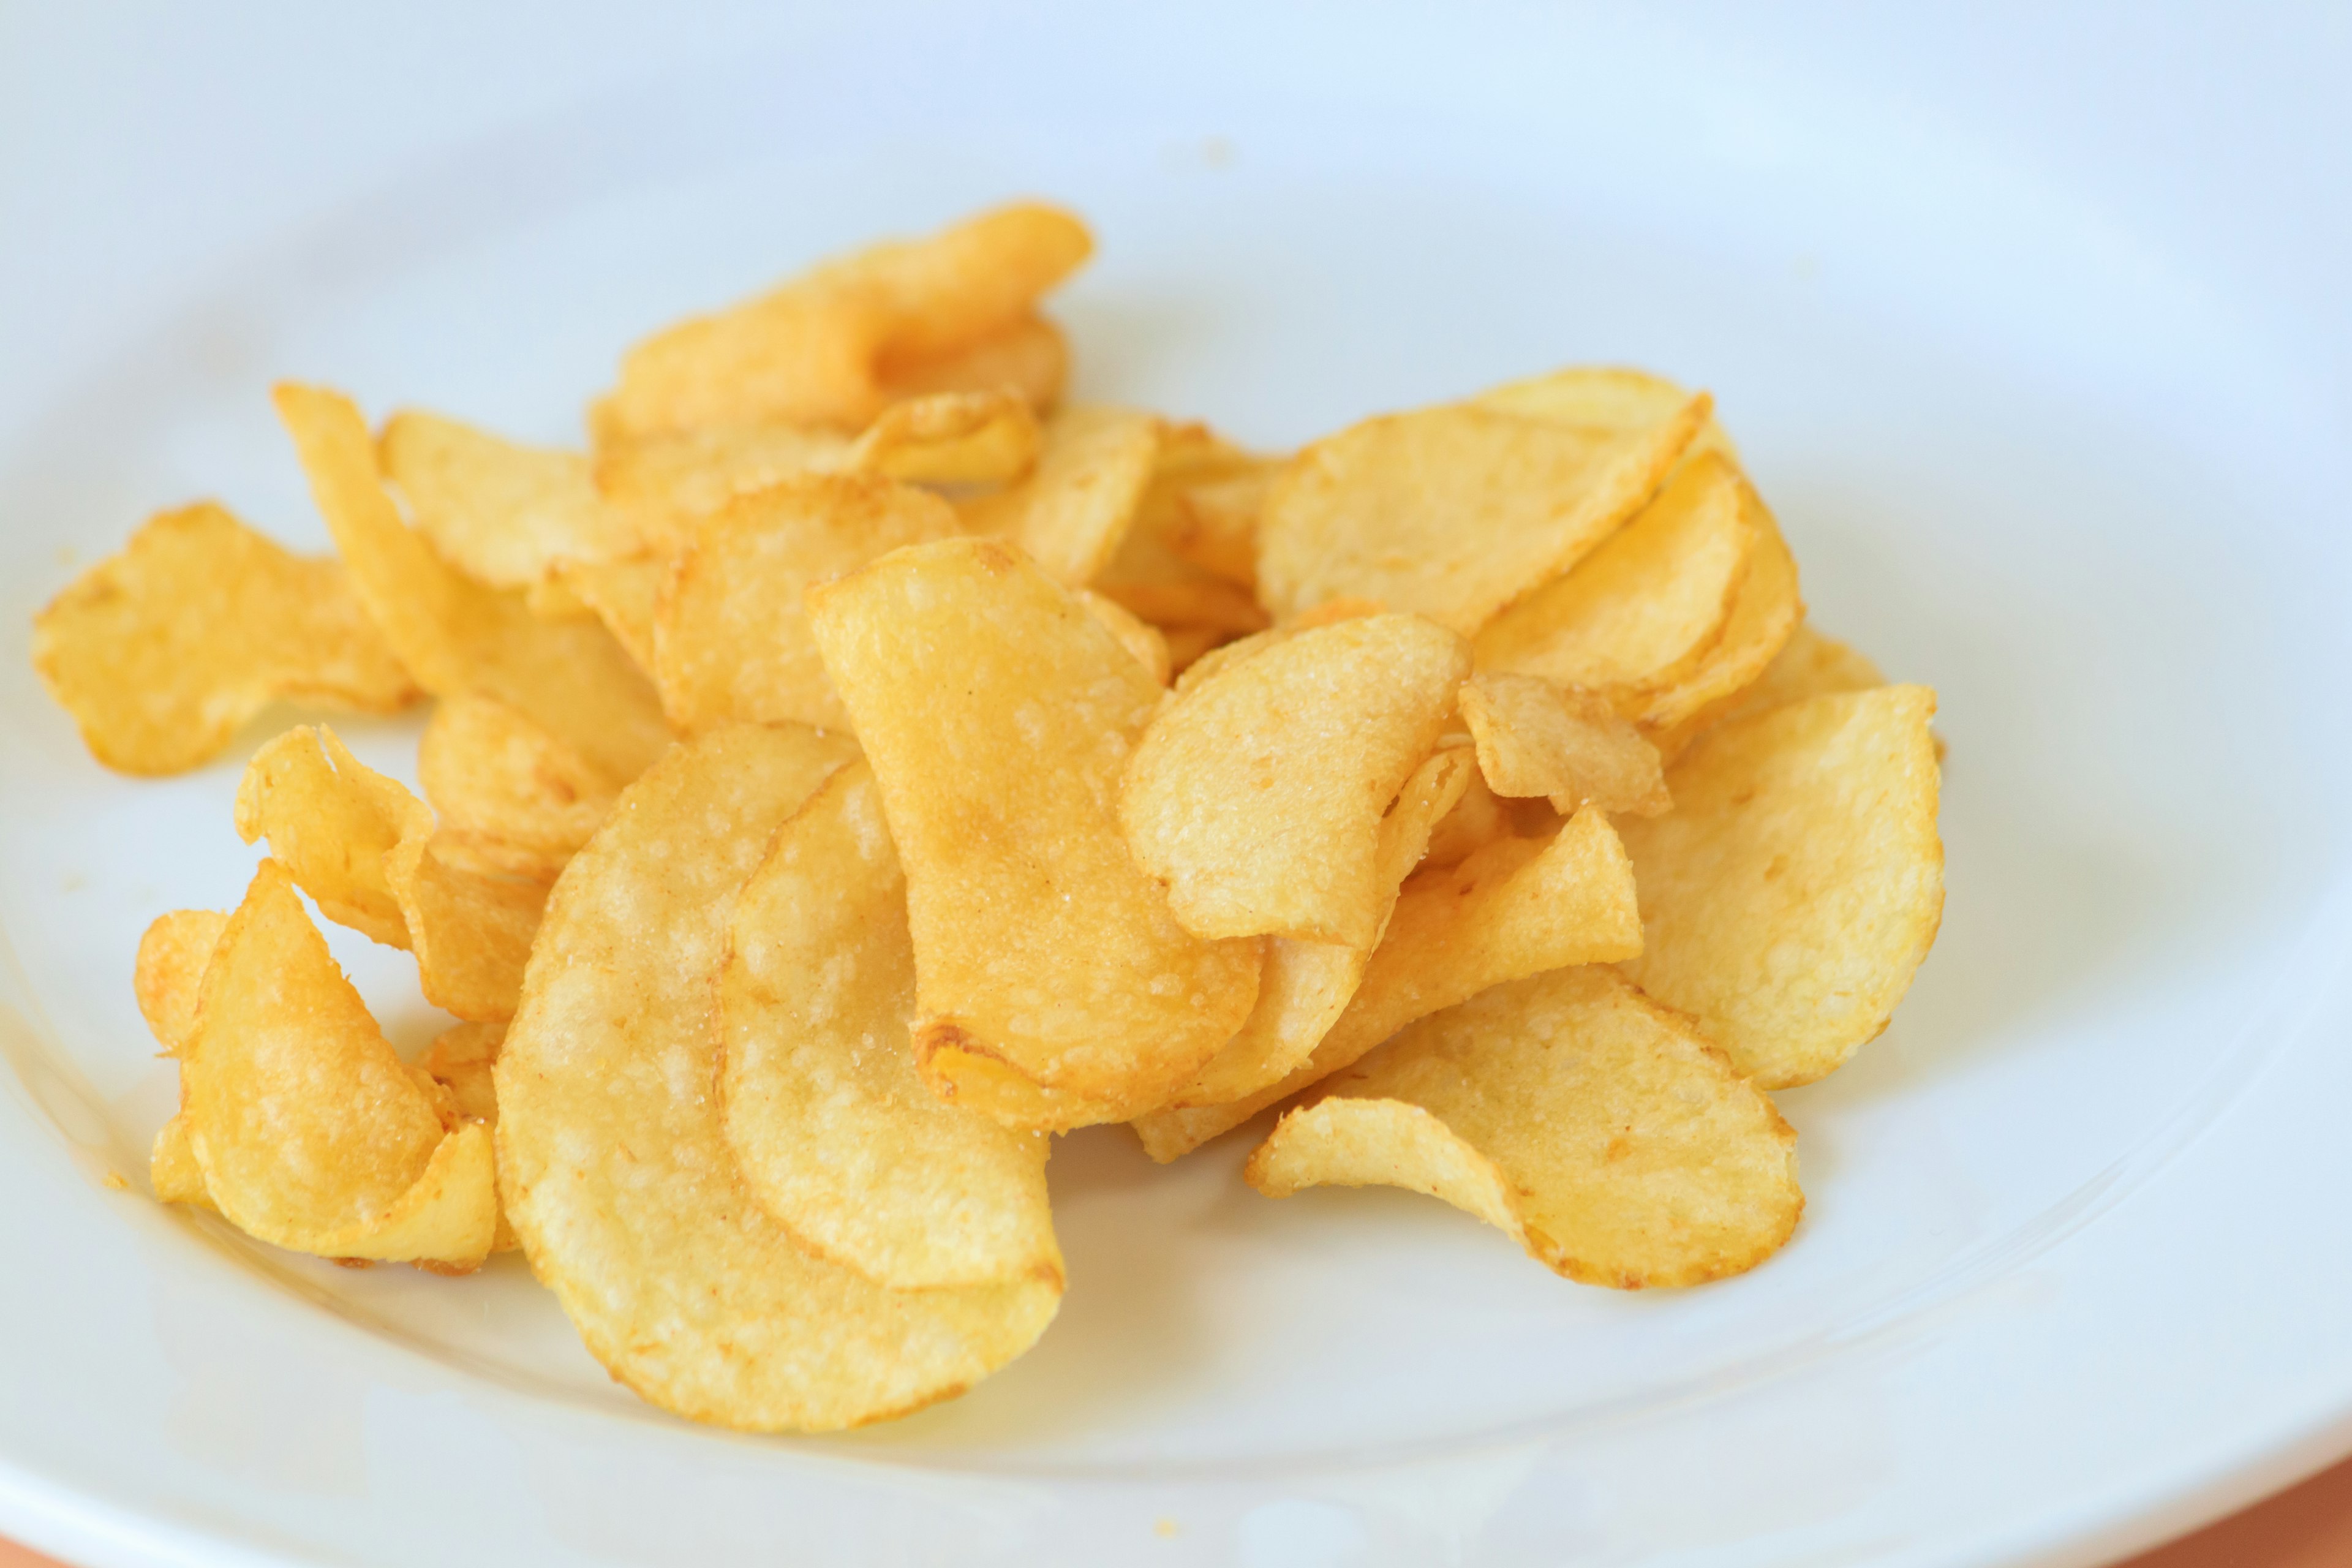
[857, 768]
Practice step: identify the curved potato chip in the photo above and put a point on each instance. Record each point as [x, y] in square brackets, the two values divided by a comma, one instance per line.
[1477, 819]
[668, 485]
[997, 714]
[1809, 665]
[832, 1125]
[1139, 637]
[731, 639]
[453, 634]
[511, 798]
[621, 594]
[1608, 397]
[1257, 795]
[1072, 513]
[311, 1133]
[463, 1061]
[1765, 613]
[613, 1154]
[952, 438]
[1029, 356]
[163, 652]
[172, 1166]
[1569, 1109]
[502, 513]
[170, 967]
[1454, 512]
[1791, 893]
[1570, 747]
[1516, 908]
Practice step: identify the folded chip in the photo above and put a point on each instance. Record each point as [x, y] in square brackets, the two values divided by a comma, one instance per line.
[173, 954]
[1569, 747]
[463, 1061]
[1597, 1128]
[1766, 611]
[512, 798]
[161, 653]
[505, 514]
[1072, 513]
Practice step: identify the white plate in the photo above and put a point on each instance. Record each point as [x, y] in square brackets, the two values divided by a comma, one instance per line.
[2034, 332]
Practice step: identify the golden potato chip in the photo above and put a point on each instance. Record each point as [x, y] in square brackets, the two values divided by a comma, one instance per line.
[163, 652]
[1793, 890]
[1029, 356]
[1516, 908]
[463, 1061]
[1570, 747]
[954, 438]
[623, 595]
[1257, 796]
[172, 958]
[1139, 637]
[666, 486]
[502, 513]
[172, 1166]
[1476, 820]
[1454, 512]
[310, 1131]
[1808, 665]
[454, 635]
[1605, 397]
[1594, 1126]
[815, 350]
[612, 1153]
[1765, 613]
[1201, 507]
[1072, 513]
[511, 798]
[1645, 607]
[997, 714]
[731, 641]
[832, 1125]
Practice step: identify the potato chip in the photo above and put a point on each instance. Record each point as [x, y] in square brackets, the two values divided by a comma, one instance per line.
[1809, 665]
[1570, 747]
[668, 486]
[1597, 1128]
[1187, 646]
[997, 714]
[311, 1133]
[463, 1061]
[1257, 796]
[731, 641]
[454, 635]
[832, 1125]
[623, 595]
[163, 652]
[1072, 513]
[954, 438]
[511, 798]
[1765, 613]
[1606, 398]
[1476, 820]
[1140, 638]
[503, 514]
[1454, 512]
[1516, 908]
[612, 1153]
[170, 967]
[815, 350]
[172, 1166]
[1793, 890]
[1201, 507]
[1029, 356]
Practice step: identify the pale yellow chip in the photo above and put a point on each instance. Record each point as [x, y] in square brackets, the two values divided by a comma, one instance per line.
[1597, 1128]
[952, 438]
[463, 1061]
[623, 595]
[170, 967]
[310, 1131]
[1073, 513]
[832, 1125]
[731, 641]
[163, 652]
[502, 513]
[816, 350]
[1608, 397]
[1257, 795]
[666, 486]
[1454, 512]
[1791, 893]
[1569, 747]
[1203, 503]
[1516, 908]
[1167, 590]
[1809, 665]
[1028, 356]
[1765, 613]
[612, 1153]
[997, 714]
[1477, 819]
[511, 798]
[172, 1165]
[1136, 635]
[456, 634]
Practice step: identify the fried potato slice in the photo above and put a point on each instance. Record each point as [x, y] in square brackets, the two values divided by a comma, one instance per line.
[612, 1153]
[832, 1125]
[623, 595]
[818, 350]
[366, 851]
[1765, 613]
[161, 653]
[1155, 583]
[1136, 635]
[511, 798]
[463, 1061]
[1072, 513]
[1608, 397]
[997, 714]
[310, 1131]
[456, 634]
[1476, 820]
[1810, 664]
[988, 437]
[731, 641]
[1516, 908]
[172, 1165]
[1791, 895]
[1029, 357]
[1597, 1128]
[1569, 747]
[1257, 795]
[502, 513]
[170, 967]
[1454, 512]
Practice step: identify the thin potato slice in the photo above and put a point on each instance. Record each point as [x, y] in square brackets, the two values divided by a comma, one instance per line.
[612, 1153]
[511, 798]
[1202, 504]
[1073, 513]
[1167, 590]
[311, 1133]
[997, 714]
[1257, 796]
[954, 438]
[1455, 512]
[1137, 636]
[623, 595]
[502, 513]
[832, 1127]
[463, 1061]
[1605, 397]
[454, 635]
[1597, 1128]
[1569, 747]
[163, 652]
[1809, 665]
[170, 970]
[1791, 895]
[172, 1166]
[1029, 357]
[1765, 613]
[732, 640]
[1516, 908]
